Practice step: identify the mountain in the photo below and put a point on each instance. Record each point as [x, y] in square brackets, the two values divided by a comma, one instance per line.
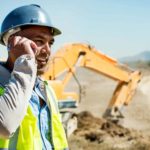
[143, 57]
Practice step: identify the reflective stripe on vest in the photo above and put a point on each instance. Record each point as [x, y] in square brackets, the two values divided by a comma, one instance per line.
[59, 140]
[29, 137]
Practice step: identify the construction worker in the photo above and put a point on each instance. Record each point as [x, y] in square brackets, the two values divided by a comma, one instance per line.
[29, 115]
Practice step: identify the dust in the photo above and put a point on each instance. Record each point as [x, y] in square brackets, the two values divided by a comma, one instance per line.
[96, 133]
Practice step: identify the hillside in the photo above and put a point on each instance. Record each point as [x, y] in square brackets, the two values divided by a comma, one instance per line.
[141, 57]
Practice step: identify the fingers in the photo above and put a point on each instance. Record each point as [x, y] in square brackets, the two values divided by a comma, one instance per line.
[34, 47]
[14, 40]
[20, 45]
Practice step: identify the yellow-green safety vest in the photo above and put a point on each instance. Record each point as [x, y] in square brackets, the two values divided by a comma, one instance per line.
[29, 135]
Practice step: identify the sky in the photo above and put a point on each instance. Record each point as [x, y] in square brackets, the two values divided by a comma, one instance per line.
[117, 28]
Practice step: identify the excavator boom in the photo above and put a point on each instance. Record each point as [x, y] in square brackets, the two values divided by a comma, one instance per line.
[71, 56]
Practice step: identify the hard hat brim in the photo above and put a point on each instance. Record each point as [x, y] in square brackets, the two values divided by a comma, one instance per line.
[55, 32]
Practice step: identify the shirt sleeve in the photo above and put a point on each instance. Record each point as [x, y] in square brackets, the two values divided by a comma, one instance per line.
[14, 101]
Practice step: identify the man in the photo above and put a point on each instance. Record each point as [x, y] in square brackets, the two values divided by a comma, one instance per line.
[29, 116]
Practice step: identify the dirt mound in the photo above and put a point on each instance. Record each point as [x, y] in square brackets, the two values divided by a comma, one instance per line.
[96, 133]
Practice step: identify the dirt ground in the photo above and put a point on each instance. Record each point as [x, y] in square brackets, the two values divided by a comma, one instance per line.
[95, 133]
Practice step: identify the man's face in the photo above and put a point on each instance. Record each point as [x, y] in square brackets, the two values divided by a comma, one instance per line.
[42, 37]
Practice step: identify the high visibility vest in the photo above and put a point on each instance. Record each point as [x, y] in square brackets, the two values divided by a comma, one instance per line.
[28, 136]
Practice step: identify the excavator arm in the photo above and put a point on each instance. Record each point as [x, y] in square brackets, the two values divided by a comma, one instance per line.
[71, 56]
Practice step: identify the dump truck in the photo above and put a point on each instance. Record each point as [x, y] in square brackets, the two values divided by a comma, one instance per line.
[67, 59]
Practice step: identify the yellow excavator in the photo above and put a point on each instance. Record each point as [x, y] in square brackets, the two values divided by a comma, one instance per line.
[68, 58]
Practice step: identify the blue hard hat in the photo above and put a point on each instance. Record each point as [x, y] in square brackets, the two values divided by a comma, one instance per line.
[26, 15]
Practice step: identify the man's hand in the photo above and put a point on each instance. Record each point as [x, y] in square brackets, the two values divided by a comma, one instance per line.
[20, 45]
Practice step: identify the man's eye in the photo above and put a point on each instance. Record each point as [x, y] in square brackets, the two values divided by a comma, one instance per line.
[50, 44]
[38, 42]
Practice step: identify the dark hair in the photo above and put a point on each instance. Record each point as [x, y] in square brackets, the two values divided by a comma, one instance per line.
[28, 26]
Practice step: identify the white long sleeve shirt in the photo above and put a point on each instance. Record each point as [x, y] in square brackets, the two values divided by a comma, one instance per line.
[18, 87]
